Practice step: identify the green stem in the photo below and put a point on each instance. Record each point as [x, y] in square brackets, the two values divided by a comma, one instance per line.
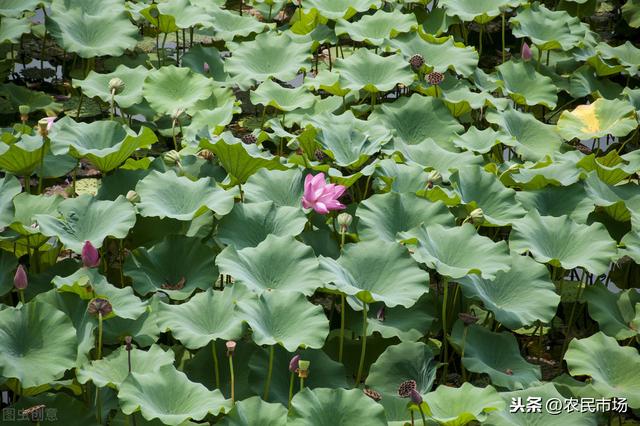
[99, 335]
[40, 177]
[573, 310]
[27, 184]
[74, 176]
[291, 381]
[424, 420]
[363, 349]
[341, 347]
[504, 44]
[445, 346]
[301, 383]
[233, 381]
[480, 45]
[215, 363]
[267, 385]
[21, 295]
[173, 134]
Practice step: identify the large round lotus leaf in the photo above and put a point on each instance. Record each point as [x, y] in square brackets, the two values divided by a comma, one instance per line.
[87, 219]
[458, 406]
[373, 73]
[8, 265]
[601, 194]
[335, 407]
[227, 25]
[27, 206]
[406, 361]
[204, 318]
[626, 54]
[168, 395]
[569, 201]
[376, 28]
[15, 8]
[382, 216]
[21, 156]
[285, 318]
[482, 12]
[440, 54]
[98, 85]
[561, 169]
[184, 12]
[106, 144]
[535, 139]
[257, 60]
[9, 188]
[176, 266]
[444, 160]
[113, 369]
[20, 95]
[397, 177]
[503, 295]
[456, 252]
[611, 168]
[616, 313]
[83, 31]
[38, 344]
[479, 189]
[560, 241]
[249, 224]
[170, 89]
[495, 354]
[631, 13]
[526, 86]
[283, 188]
[277, 263]
[12, 29]
[178, 197]
[270, 93]
[254, 411]
[334, 9]
[598, 119]
[373, 270]
[417, 118]
[482, 141]
[522, 418]
[631, 243]
[238, 159]
[548, 29]
[614, 370]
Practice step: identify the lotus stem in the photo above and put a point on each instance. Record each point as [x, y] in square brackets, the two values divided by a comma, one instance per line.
[233, 380]
[573, 309]
[464, 339]
[215, 363]
[40, 176]
[480, 42]
[173, 134]
[424, 420]
[99, 335]
[291, 381]
[27, 184]
[21, 295]
[504, 44]
[445, 347]
[74, 177]
[267, 384]
[301, 383]
[412, 421]
[342, 306]
[363, 349]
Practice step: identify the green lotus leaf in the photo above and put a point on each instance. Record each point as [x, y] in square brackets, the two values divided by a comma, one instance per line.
[496, 354]
[36, 101]
[458, 406]
[382, 216]
[270, 93]
[60, 408]
[429, 154]
[335, 9]
[278, 263]
[598, 119]
[615, 312]
[584, 82]
[397, 177]
[15, 8]
[503, 295]
[164, 23]
[254, 411]
[21, 156]
[12, 29]
[569, 201]
[526, 86]
[38, 344]
[371, 271]
[441, 54]
[613, 368]
[375, 29]
[227, 25]
[548, 29]
[405, 361]
[631, 13]
[177, 266]
[9, 188]
[535, 139]
[328, 81]
[482, 141]
[257, 60]
[417, 118]
[212, 115]
[481, 12]
[170, 89]
[204, 318]
[562, 242]
[88, 283]
[113, 369]
[83, 31]
[459, 251]
[285, 318]
[283, 188]
[87, 219]
[560, 169]
[8, 265]
[364, 70]
[624, 197]
[185, 13]
[106, 144]
[177, 197]
[631, 243]
[627, 55]
[249, 224]
[198, 56]
[335, 407]
[168, 395]
[97, 85]
[611, 168]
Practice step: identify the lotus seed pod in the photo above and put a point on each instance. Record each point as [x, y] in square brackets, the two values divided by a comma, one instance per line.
[303, 369]
[90, 255]
[319, 155]
[171, 157]
[435, 78]
[416, 61]
[133, 197]
[116, 86]
[127, 342]
[373, 394]
[526, 53]
[231, 347]
[415, 396]
[344, 220]
[293, 364]
[405, 388]
[44, 125]
[249, 139]
[24, 109]
[20, 280]
[99, 306]
[477, 216]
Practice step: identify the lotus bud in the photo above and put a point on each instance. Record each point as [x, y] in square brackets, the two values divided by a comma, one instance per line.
[405, 388]
[90, 255]
[20, 280]
[171, 157]
[526, 52]
[231, 347]
[127, 342]
[373, 394]
[435, 78]
[477, 216]
[99, 306]
[344, 220]
[303, 368]
[249, 139]
[380, 315]
[116, 86]
[416, 61]
[467, 319]
[293, 364]
[205, 67]
[415, 396]
[133, 197]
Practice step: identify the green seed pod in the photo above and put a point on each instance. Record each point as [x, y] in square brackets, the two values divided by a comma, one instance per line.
[476, 216]
[344, 220]
[116, 86]
[24, 109]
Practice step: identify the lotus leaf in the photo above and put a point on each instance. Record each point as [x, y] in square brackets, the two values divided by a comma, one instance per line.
[458, 406]
[373, 73]
[375, 29]
[335, 407]
[600, 118]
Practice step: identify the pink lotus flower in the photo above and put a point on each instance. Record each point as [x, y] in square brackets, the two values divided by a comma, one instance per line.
[20, 280]
[90, 255]
[49, 121]
[320, 196]
[526, 52]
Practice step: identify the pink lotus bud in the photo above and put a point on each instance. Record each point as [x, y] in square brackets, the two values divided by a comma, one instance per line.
[380, 315]
[526, 52]
[20, 280]
[90, 255]
[206, 67]
[231, 347]
[293, 364]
